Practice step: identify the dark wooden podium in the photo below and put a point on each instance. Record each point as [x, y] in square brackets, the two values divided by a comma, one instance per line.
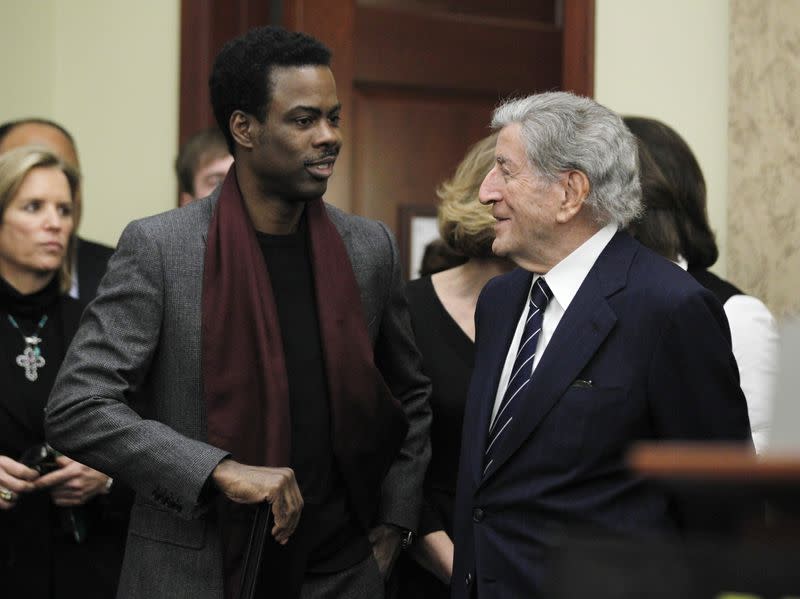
[755, 554]
[720, 470]
[711, 463]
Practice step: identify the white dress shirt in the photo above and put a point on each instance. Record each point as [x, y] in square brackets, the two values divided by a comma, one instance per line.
[755, 340]
[564, 280]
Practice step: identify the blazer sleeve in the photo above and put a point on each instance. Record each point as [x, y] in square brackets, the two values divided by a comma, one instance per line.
[399, 361]
[693, 383]
[89, 416]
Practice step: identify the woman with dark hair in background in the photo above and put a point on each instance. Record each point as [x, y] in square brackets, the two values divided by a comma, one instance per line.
[46, 499]
[442, 309]
[676, 225]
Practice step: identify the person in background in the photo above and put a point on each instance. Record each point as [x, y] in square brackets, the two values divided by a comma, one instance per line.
[90, 258]
[594, 343]
[675, 224]
[438, 257]
[55, 541]
[442, 309]
[201, 165]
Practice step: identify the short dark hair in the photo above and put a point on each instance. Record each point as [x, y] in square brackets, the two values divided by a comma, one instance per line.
[200, 148]
[242, 70]
[687, 188]
[9, 126]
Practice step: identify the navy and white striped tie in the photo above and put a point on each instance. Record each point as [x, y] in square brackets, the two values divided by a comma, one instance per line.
[523, 368]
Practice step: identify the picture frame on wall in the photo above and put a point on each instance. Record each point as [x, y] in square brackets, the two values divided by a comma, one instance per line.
[417, 227]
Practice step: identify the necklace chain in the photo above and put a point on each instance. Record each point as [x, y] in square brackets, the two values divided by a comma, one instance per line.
[31, 358]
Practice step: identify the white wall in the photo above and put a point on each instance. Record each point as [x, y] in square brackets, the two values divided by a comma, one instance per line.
[27, 57]
[669, 61]
[108, 71]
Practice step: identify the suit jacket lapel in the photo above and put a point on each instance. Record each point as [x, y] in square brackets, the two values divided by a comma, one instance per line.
[583, 328]
[211, 204]
[501, 323]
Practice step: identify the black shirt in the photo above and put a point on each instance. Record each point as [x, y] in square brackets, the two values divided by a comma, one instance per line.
[336, 540]
[448, 356]
[38, 559]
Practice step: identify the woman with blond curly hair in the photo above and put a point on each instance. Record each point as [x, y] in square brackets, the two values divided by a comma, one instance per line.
[442, 309]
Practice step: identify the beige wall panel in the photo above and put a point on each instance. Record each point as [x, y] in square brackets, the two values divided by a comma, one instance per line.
[27, 58]
[669, 61]
[764, 150]
[116, 88]
[107, 70]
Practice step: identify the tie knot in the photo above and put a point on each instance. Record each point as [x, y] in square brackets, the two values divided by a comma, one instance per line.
[540, 294]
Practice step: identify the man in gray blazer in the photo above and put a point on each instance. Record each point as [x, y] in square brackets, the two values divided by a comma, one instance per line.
[255, 346]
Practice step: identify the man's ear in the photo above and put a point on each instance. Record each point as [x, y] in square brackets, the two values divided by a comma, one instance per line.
[241, 127]
[576, 189]
[185, 198]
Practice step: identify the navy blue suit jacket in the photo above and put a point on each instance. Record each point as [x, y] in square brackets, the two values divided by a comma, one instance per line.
[642, 352]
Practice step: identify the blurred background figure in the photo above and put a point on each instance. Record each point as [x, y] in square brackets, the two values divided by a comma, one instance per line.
[675, 225]
[442, 309]
[438, 256]
[202, 163]
[90, 258]
[55, 541]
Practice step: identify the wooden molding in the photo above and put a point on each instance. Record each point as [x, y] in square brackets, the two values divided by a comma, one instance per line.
[578, 47]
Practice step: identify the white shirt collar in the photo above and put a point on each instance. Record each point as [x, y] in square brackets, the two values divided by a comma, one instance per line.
[566, 277]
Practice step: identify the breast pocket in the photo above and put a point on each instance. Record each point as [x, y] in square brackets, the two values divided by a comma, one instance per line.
[580, 422]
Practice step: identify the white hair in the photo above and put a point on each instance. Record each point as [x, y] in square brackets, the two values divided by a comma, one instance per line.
[563, 132]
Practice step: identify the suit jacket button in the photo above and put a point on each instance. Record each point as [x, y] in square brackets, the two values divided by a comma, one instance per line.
[468, 579]
[477, 514]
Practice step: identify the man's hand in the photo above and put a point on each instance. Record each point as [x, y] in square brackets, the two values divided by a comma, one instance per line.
[256, 484]
[385, 541]
[73, 483]
[15, 479]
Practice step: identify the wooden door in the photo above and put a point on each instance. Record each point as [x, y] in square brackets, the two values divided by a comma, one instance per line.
[418, 80]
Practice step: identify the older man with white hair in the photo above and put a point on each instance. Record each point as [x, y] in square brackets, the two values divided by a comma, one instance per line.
[594, 342]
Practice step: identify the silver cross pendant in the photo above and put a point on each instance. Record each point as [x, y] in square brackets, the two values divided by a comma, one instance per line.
[31, 358]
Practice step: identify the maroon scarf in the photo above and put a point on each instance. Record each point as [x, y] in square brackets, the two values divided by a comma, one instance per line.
[245, 386]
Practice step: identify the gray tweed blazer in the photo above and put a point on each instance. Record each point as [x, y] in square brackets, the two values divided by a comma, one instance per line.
[128, 398]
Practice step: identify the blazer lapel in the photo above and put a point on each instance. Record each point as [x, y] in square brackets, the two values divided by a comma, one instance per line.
[502, 319]
[210, 205]
[583, 328]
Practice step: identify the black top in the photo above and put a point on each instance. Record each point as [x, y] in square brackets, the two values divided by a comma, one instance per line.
[336, 541]
[447, 358]
[38, 559]
[719, 287]
[22, 406]
[92, 259]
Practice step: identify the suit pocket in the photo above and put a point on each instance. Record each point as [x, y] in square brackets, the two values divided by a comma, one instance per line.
[159, 525]
[577, 424]
[582, 384]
